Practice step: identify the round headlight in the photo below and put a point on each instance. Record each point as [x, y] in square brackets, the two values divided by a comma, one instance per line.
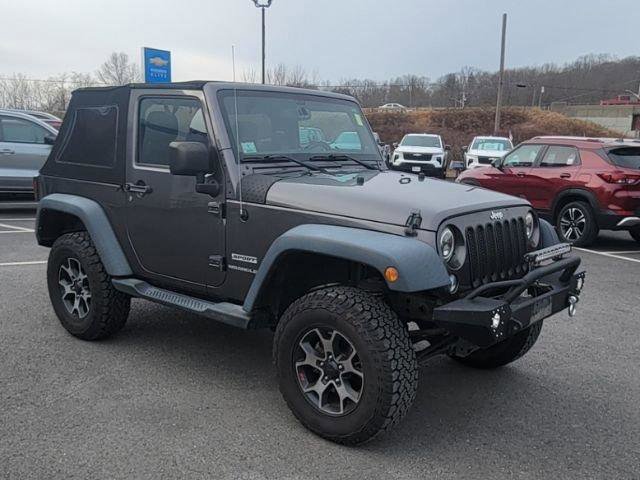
[529, 225]
[447, 243]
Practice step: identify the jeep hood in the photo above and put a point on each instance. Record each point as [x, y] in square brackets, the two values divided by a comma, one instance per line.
[386, 197]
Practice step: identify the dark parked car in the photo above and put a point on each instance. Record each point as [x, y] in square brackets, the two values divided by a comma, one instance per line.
[581, 185]
[207, 197]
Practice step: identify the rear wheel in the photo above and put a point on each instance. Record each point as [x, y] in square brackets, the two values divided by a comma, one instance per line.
[504, 352]
[80, 289]
[345, 364]
[576, 224]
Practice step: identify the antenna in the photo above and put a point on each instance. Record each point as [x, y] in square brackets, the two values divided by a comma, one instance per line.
[243, 213]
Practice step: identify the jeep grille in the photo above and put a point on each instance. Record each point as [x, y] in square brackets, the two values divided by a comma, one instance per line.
[496, 251]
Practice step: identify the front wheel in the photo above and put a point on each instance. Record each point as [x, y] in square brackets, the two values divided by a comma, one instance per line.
[504, 352]
[635, 233]
[345, 364]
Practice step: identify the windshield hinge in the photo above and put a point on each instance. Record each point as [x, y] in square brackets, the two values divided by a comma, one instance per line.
[414, 220]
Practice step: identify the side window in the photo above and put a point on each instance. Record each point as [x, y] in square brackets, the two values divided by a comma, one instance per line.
[165, 120]
[523, 156]
[557, 156]
[18, 130]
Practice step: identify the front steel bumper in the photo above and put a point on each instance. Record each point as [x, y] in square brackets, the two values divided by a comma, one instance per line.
[496, 311]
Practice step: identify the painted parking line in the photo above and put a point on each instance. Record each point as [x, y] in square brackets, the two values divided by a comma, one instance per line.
[14, 227]
[19, 264]
[610, 255]
[17, 231]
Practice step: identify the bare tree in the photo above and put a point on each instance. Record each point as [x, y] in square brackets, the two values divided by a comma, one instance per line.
[118, 70]
[250, 75]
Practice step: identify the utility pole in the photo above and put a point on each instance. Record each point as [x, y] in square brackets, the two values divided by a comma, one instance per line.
[496, 125]
[263, 5]
[540, 97]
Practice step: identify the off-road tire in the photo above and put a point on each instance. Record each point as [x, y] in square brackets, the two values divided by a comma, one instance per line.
[109, 308]
[388, 362]
[635, 233]
[504, 352]
[591, 228]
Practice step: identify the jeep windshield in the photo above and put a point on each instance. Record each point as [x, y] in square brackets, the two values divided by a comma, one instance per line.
[271, 126]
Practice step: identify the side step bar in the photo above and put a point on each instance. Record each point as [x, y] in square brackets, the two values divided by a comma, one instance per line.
[224, 312]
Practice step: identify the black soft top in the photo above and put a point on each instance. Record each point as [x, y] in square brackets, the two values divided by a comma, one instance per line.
[91, 143]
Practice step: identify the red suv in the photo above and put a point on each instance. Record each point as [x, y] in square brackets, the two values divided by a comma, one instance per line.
[580, 184]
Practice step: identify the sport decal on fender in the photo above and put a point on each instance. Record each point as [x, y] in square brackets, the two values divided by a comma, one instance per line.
[244, 258]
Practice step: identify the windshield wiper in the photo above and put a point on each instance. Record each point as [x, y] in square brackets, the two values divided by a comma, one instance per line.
[333, 156]
[302, 163]
[283, 157]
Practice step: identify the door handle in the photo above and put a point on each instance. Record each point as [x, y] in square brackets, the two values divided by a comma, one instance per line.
[139, 188]
[520, 174]
[565, 175]
[7, 151]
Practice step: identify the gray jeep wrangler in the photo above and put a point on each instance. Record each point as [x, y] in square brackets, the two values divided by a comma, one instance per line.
[269, 207]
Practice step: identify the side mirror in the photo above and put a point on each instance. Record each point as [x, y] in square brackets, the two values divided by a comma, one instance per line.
[49, 140]
[395, 144]
[193, 159]
[497, 163]
[188, 158]
[465, 148]
[447, 147]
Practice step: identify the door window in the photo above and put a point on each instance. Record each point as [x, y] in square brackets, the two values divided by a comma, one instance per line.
[165, 120]
[523, 156]
[557, 156]
[18, 130]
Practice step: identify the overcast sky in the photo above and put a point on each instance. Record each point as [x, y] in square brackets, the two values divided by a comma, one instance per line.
[337, 38]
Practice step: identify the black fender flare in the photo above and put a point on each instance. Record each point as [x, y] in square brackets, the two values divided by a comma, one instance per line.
[548, 234]
[418, 264]
[97, 224]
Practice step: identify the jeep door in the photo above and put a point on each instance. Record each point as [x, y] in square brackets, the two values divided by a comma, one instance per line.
[169, 226]
[552, 173]
[23, 151]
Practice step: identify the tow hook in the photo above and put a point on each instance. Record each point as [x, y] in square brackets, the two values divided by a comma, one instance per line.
[573, 300]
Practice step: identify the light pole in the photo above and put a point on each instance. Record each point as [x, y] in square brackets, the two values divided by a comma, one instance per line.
[263, 5]
[496, 123]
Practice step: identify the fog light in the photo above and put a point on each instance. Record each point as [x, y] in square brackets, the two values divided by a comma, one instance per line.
[453, 283]
[495, 321]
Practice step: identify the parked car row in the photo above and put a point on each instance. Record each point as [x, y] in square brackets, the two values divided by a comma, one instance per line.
[582, 185]
[25, 142]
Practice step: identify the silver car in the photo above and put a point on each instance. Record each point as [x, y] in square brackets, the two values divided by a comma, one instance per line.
[25, 143]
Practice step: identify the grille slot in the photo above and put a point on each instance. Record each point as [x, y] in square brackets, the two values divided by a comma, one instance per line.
[496, 251]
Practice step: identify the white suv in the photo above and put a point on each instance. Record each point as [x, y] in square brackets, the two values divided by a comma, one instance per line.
[484, 150]
[421, 152]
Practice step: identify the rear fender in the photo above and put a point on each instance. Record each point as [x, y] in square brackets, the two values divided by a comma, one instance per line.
[94, 219]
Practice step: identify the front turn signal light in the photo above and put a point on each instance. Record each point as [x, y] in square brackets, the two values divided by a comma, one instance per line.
[391, 274]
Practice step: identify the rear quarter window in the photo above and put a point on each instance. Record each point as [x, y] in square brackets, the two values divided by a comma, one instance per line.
[93, 137]
[626, 157]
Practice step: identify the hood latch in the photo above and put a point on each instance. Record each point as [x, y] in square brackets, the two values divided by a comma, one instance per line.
[414, 220]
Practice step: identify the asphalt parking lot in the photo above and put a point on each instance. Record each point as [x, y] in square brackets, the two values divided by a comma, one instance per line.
[177, 396]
